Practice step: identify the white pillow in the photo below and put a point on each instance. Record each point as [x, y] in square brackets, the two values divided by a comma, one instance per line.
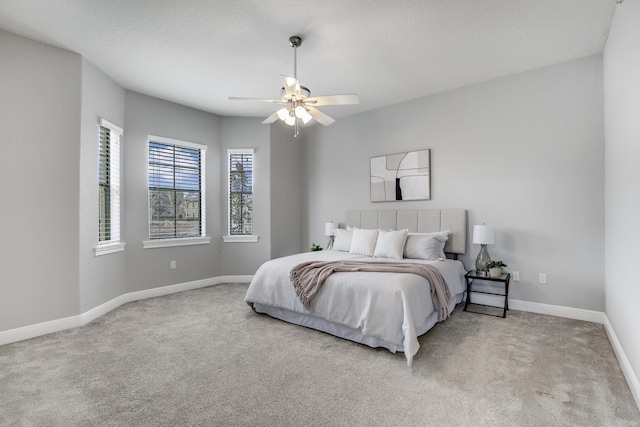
[363, 242]
[390, 244]
[429, 246]
[342, 240]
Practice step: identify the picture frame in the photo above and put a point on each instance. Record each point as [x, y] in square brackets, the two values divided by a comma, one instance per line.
[401, 177]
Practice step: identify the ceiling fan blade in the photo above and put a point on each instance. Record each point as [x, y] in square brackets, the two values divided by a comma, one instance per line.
[319, 116]
[274, 101]
[344, 99]
[291, 86]
[272, 118]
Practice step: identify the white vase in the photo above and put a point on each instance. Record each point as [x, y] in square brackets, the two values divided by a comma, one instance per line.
[495, 272]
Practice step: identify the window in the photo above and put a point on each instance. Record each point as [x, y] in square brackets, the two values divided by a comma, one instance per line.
[109, 189]
[240, 212]
[176, 192]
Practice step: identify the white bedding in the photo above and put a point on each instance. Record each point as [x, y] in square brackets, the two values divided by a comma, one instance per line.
[383, 309]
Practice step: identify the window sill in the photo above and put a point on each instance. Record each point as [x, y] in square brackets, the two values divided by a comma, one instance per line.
[165, 243]
[109, 248]
[240, 239]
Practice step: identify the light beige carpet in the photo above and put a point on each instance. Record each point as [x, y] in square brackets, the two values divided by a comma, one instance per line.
[205, 358]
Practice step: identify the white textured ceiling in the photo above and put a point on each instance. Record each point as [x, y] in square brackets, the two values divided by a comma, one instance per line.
[200, 52]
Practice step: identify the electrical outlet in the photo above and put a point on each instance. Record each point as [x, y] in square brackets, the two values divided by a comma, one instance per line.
[516, 276]
[173, 265]
[542, 278]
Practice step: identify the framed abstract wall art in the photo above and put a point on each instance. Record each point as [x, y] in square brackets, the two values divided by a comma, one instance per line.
[402, 176]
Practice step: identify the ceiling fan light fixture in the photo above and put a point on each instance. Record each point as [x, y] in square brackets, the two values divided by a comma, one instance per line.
[291, 119]
[296, 101]
[303, 114]
[283, 113]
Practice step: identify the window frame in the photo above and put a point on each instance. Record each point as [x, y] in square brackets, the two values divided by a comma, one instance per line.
[240, 238]
[202, 239]
[113, 173]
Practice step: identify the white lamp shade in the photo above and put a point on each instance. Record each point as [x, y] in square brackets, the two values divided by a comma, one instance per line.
[329, 228]
[283, 114]
[291, 120]
[483, 235]
[302, 113]
[306, 119]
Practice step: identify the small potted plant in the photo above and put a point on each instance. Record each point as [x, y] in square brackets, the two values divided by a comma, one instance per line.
[495, 268]
[315, 247]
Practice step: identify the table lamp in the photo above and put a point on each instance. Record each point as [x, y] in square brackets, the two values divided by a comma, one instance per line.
[329, 230]
[483, 235]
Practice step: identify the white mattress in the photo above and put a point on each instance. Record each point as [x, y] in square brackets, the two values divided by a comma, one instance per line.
[387, 310]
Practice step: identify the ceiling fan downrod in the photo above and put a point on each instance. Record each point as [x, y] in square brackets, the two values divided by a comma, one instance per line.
[295, 42]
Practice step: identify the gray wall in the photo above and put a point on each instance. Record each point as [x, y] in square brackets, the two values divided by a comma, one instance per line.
[150, 268]
[522, 153]
[286, 191]
[39, 169]
[622, 125]
[245, 258]
[102, 278]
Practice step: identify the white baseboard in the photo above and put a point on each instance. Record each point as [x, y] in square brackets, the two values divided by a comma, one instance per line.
[44, 328]
[627, 369]
[39, 329]
[538, 308]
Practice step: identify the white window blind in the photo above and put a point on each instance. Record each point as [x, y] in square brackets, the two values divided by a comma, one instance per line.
[176, 189]
[109, 183]
[240, 192]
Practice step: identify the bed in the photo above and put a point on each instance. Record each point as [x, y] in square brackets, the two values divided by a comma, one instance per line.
[378, 309]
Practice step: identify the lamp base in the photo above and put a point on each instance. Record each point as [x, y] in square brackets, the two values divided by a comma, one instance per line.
[483, 259]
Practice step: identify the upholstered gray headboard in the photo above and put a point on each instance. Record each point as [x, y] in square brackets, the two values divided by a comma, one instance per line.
[417, 221]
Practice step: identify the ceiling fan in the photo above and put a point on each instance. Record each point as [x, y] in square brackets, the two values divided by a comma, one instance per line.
[298, 104]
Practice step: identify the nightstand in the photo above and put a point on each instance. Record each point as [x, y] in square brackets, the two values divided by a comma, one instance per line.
[503, 279]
